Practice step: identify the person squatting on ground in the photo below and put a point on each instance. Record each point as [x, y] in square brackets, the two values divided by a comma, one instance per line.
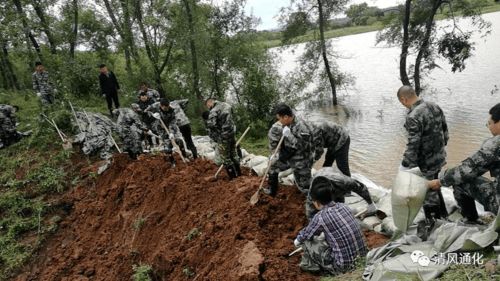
[8, 123]
[467, 180]
[333, 239]
[336, 140]
[109, 87]
[184, 125]
[153, 94]
[296, 150]
[131, 131]
[42, 85]
[341, 185]
[427, 138]
[162, 110]
[221, 126]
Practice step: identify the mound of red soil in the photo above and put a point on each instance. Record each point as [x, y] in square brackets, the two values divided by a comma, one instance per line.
[145, 213]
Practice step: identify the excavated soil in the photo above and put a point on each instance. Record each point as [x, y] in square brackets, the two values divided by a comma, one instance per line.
[144, 212]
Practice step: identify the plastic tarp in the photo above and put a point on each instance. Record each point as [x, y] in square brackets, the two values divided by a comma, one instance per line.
[409, 257]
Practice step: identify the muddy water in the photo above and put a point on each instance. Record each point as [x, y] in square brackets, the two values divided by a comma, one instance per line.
[374, 117]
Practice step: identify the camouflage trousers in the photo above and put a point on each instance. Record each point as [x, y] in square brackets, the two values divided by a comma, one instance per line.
[227, 152]
[434, 206]
[301, 172]
[481, 189]
[46, 99]
[317, 256]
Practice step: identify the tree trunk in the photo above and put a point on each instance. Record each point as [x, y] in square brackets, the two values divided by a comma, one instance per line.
[127, 29]
[158, 70]
[117, 25]
[324, 53]
[406, 44]
[8, 73]
[45, 26]
[425, 44]
[27, 29]
[74, 39]
[194, 57]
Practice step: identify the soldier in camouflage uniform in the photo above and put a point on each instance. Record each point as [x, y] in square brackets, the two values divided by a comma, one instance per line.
[131, 130]
[184, 125]
[427, 138]
[143, 103]
[222, 130]
[151, 93]
[8, 133]
[296, 150]
[467, 180]
[336, 140]
[41, 84]
[96, 134]
[167, 114]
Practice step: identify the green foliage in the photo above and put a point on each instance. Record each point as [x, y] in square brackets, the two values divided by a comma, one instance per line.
[48, 179]
[188, 271]
[139, 223]
[456, 48]
[142, 272]
[298, 23]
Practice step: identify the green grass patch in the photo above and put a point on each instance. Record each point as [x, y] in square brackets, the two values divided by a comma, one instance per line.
[257, 146]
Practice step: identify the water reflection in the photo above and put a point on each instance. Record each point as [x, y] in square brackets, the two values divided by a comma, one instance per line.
[374, 117]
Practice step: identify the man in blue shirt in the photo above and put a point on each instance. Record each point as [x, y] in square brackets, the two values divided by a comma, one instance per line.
[333, 239]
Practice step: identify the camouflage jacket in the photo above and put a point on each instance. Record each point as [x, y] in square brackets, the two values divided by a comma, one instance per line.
[298, 147]
[168, 117]
[486, 159]
[274, 135]
[220, 122]
[180, 116]
[427, 138]
[328, 135]
[41, 82]
[152, 94]
[145, 116]
[341, 184]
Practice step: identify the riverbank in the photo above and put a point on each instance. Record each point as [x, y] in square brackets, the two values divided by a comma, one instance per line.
[351, 30]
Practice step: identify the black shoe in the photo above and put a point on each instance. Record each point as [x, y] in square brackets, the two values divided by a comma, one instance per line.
[231, 172]
[237, 169]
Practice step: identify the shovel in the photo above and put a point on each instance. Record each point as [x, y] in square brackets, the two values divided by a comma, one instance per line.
[173, 139]
[237, 143]
[255, 197]
[66, 143]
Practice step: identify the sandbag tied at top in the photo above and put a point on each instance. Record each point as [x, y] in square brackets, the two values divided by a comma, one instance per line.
[408, 194]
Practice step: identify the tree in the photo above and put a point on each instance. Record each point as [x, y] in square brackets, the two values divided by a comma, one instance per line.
[358, 13]
[319, 11]
[154, 28]
[420, 35]
[189, 6]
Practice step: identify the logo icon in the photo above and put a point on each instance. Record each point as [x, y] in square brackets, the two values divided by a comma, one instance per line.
[418, 256]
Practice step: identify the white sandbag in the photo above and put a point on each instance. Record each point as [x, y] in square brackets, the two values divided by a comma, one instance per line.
[244, 153]
[449, 199]
[407, 197]
[260, 169]
[288, 180]
[388, 226]
[376, 191]
[285, 173]
[245, 160]
[372, 221]
[256, 161]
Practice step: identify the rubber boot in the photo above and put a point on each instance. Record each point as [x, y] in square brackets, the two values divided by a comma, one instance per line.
[171, 159]
[194, 151]
[272, 188]
[231, 172]
[237, 169]
[468, 209]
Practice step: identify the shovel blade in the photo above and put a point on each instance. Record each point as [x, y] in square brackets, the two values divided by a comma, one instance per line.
[255, 198]
[67, 146]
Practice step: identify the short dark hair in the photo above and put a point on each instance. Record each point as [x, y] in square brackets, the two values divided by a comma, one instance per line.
[144, 83]
[283, 110]
[143, 94]
[16, 107]
[406, 91]
[495, 113]
[38, 63]
[321, 191]
[164, 102]
[102, 65]
[205, 115]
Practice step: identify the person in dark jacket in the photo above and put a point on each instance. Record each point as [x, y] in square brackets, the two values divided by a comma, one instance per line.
[109, 87]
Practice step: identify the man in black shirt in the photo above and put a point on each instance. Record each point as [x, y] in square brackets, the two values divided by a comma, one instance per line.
[109, 87]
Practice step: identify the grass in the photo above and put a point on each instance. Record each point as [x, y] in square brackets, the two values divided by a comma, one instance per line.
[312, 35]
[142, 272]
[32, 170]
[257, 146]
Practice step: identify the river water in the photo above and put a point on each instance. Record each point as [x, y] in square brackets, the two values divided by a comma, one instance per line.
[374, 116]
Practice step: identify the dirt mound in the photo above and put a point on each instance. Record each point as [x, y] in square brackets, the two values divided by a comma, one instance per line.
[144, 213]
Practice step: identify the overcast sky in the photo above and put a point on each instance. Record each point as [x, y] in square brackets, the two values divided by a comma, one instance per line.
[267, 10]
